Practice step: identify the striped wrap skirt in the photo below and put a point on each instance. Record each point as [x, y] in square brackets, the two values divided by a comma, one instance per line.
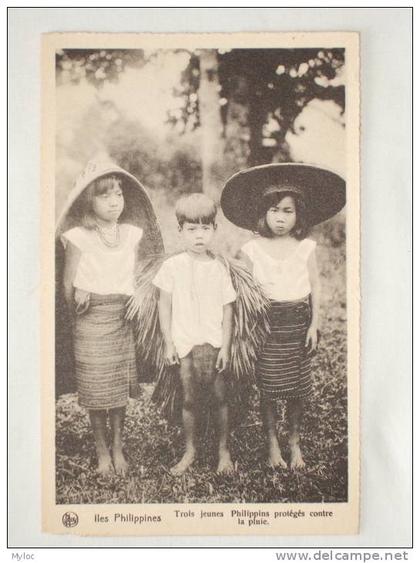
[104, 350]
[284, 370]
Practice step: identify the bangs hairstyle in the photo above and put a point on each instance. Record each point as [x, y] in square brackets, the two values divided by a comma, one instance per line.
[301, 228]
[195, 208]
[98, 187]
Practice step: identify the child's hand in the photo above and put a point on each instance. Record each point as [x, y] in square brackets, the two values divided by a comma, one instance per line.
[171, 355]
[222, 360]
[312, 338]
[81, 299]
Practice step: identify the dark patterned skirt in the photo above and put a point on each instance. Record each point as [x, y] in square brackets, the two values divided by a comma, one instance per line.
[284, 370]
[105, 354]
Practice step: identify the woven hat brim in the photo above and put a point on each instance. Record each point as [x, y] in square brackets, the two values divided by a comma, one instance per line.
[324, 191]
[138, 209]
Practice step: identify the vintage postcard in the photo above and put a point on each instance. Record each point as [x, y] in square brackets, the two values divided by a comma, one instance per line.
[200, 298]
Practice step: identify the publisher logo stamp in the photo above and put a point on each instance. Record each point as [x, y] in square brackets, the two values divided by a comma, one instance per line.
[70, 519]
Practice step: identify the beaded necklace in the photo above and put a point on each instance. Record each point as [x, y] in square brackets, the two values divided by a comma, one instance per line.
[109, 236]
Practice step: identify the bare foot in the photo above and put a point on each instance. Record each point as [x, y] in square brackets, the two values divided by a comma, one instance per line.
[275, 458]
[182, 466]
[104, 467]
[225, 462]
[120, 463]
[296, 459]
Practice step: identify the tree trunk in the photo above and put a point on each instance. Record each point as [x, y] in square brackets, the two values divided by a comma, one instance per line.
[212, 144]
[237, 132]
[256, 121]
[282, 149]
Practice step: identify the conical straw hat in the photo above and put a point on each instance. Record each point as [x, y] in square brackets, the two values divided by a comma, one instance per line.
[324, 191]
[138, 208]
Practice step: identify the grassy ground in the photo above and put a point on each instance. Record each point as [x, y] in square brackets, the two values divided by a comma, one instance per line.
[152, 446]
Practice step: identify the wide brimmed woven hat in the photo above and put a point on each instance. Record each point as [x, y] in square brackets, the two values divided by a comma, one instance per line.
[138, 209]
[324, 191]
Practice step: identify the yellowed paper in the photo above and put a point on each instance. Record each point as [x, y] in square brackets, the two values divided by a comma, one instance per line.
[85, 116]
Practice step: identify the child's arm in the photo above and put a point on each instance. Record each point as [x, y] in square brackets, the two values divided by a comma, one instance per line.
[227, 327]
[71, 261]
[165, 318]
[312, 335]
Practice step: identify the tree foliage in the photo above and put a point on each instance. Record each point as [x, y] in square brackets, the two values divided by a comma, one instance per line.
[173, 167]
[258, 94]
[273, 85]
[98, 66]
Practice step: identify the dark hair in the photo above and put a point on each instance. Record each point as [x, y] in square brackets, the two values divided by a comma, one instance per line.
[100, 186]
[195, 208]
[301, 228]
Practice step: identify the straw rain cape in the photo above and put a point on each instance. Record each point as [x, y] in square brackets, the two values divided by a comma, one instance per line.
[250, 328]
[138, 211]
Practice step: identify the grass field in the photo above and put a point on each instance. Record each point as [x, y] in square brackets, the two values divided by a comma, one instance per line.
[152, 446]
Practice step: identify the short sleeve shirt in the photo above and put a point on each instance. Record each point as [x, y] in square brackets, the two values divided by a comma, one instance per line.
[199, 289]
[101, 269]
[282, 280]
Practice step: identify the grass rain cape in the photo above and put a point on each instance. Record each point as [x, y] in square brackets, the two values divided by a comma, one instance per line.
[138, 211]
[250, 328]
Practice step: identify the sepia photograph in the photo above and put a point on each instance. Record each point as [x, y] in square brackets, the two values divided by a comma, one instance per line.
[203, 193]
[209, 281]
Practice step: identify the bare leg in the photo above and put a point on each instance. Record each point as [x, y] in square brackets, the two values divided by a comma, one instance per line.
[116, 417]
[188, 416]
[222, 412]
[275, 459]
[295, 411]
[98, 422]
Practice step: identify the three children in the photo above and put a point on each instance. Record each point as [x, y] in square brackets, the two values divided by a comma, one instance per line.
[196, 301]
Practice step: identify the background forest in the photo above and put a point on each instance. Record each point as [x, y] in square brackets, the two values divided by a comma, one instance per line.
[185, 121]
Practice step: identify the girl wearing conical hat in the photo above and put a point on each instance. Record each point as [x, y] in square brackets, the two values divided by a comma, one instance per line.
[107, 226]
[281, 202]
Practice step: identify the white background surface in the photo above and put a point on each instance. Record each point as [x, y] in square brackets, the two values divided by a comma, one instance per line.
[386, 256]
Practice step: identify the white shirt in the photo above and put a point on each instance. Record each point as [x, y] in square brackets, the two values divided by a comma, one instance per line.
[102, 269]
[282, 279]
[199, 289]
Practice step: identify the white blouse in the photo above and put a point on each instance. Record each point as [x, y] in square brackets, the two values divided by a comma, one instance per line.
[199, 289]
[282, 279]
[101, 269]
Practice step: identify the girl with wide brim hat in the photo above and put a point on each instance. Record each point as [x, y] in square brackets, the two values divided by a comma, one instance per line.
[280, 202]
[138, 211]
[323, 191]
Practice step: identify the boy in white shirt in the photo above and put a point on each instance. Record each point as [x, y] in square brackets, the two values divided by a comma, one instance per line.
[195, 314]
